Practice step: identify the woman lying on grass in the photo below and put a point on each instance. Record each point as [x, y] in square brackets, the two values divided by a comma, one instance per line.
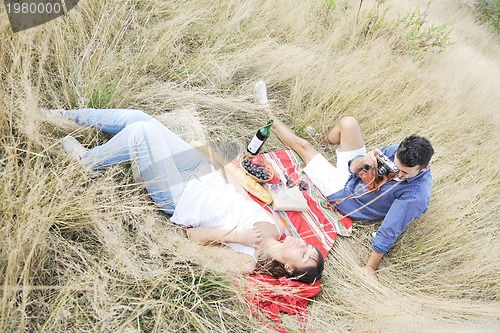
[184, 184]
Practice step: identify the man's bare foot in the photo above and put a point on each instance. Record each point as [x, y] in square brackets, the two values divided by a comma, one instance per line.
[369, 272]
[261, 94]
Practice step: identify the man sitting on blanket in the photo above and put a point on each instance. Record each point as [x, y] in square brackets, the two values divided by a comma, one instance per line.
[398, 202]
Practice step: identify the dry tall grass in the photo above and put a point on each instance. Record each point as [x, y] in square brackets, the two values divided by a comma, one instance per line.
[79, 253]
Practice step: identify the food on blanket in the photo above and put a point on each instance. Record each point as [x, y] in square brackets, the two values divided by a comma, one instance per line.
[249, 184]
[257, 168]
[257, 161]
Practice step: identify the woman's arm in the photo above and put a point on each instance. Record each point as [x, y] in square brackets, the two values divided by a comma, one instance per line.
[209, 235]
[243, 263]
[252, 237]
[247, 237]
[224, 259]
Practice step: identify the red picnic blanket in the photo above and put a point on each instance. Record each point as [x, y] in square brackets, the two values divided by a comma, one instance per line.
[319, 226]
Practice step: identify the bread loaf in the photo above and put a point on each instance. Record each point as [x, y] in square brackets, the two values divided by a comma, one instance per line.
[250, 185]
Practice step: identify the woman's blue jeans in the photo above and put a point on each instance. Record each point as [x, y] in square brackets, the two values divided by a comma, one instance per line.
[165, 160]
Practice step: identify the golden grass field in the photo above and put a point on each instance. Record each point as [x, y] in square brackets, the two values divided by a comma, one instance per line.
[91, 254]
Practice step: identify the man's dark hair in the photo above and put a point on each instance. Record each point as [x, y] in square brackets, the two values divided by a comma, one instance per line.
[415, 150]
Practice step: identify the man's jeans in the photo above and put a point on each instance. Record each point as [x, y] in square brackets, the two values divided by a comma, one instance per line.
[165, 160]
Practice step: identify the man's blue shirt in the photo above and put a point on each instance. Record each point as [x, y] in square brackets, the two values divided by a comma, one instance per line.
[398, 203]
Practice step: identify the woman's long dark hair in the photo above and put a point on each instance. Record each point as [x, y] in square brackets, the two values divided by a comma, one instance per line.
[277, 269]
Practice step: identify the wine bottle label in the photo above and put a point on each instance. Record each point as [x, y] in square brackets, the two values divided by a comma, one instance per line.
[254, 145]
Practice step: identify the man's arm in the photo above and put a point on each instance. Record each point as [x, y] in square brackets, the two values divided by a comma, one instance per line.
[369, 159]
[372, 264]
[402, 212]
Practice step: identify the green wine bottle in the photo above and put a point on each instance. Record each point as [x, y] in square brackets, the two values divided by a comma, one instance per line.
[260, 138]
